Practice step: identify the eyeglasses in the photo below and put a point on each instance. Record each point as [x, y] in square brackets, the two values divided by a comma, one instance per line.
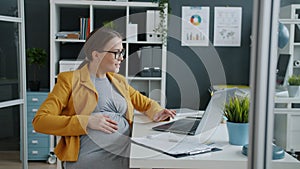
[118, 54]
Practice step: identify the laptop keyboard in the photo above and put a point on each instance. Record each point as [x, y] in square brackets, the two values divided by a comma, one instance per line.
[183, 126]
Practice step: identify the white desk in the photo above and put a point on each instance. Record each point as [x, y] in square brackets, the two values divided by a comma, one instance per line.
[230, 157]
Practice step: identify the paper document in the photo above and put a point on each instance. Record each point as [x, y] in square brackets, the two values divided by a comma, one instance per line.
[173, 145]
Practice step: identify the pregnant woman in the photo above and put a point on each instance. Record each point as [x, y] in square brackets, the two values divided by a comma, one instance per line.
[91, 108]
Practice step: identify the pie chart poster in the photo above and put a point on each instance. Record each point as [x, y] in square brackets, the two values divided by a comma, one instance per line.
[195, 26]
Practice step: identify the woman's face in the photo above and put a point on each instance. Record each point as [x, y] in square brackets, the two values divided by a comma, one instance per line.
[111, 62]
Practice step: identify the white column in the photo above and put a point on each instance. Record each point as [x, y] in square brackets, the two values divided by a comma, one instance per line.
[262, 82]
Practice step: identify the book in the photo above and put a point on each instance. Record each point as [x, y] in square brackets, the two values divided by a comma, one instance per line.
[84, 28]
[68, 35]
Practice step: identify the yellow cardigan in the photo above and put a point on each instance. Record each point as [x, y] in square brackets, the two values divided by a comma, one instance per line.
[66, 110]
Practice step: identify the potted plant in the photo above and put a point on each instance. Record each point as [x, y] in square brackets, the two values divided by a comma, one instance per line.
[164, 10]
[37, 58]
[293, 85]
[237, 111]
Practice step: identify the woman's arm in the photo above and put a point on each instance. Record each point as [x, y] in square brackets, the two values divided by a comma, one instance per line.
[49, 118]
[151, 108]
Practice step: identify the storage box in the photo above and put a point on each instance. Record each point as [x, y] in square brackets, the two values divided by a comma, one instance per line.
[146, 72]
[68, 65]
[155, 72]
[151, 72]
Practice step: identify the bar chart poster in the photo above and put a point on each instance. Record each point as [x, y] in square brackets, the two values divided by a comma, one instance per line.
[195, 26]
[227, 26]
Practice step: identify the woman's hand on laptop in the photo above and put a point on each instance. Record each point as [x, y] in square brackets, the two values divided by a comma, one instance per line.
[164, 114]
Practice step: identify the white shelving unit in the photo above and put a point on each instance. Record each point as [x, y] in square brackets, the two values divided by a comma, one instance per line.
[290, 17]
[64, 16]
[287, 113]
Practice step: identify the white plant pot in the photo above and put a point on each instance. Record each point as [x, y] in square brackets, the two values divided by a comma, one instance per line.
[293, 91]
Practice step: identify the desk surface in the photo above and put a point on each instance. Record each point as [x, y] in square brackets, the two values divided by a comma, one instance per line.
[229, 157]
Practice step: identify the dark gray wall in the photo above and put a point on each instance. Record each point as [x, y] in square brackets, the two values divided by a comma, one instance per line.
[37, 30]
[188, 63]
[183, 63]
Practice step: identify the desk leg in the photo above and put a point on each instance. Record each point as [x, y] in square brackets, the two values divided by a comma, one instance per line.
[58, 164]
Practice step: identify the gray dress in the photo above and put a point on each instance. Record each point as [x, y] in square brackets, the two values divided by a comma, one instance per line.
[99, 150]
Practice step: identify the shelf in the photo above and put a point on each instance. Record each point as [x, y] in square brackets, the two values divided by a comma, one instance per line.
[144, 78]
[289, 21]
[294, 111]
[144, 42]
[81, 3]
[104, 4]
[70, 4]
[287, 99]
[142, 4]
[70, 40]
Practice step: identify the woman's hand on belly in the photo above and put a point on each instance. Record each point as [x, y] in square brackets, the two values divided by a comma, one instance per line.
[103, 123]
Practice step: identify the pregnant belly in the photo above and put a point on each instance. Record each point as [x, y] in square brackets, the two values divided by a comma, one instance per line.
[123, 126]
[114, 142]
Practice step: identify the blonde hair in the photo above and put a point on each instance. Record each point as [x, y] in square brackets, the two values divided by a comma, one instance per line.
[96, 41]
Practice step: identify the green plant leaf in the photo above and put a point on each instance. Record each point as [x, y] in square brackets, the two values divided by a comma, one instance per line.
[36, 57]
[294, 80]
[237, 109]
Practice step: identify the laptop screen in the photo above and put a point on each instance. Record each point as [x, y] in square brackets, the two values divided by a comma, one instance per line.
[214, 110]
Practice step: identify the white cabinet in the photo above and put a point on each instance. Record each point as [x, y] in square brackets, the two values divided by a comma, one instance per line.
[287, 123]
[65, 16]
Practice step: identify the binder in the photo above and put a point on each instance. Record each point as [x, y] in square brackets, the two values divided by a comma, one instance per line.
[157, 19]
[146, 57]
[151, 61]
[170, 144]
[156, 56]
[151, 57]
[152, 23]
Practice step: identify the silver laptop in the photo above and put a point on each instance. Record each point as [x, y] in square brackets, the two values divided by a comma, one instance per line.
[210, 120]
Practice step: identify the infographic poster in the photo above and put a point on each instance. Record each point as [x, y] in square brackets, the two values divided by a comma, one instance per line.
[195, 26]
[227, 26]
